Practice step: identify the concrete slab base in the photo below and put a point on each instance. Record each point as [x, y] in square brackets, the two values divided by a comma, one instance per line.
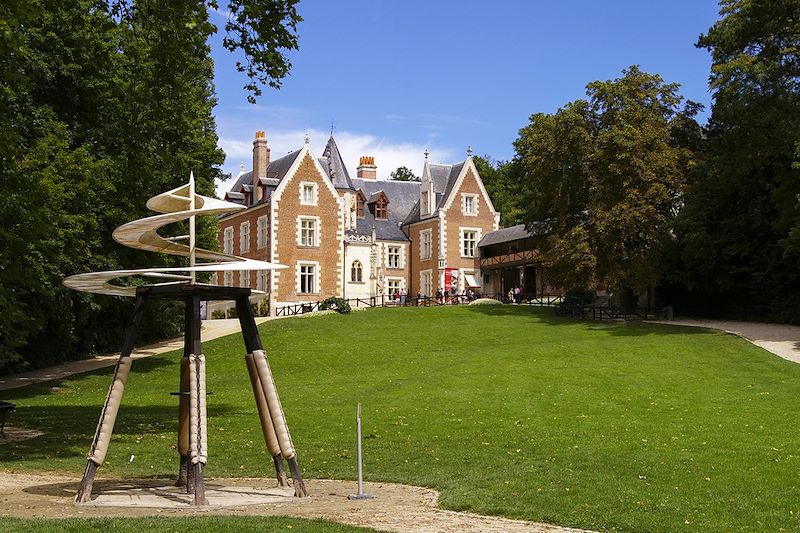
[163, 495]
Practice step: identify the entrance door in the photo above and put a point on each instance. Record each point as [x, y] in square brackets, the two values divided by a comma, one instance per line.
[510, 279]
[530, 281]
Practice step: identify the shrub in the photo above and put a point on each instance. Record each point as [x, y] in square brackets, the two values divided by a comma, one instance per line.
[339, 305]
[263, 307]
[485, 301]
[217, 314]
[232, 313]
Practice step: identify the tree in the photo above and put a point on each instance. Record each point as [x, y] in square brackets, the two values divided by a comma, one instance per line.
[93, 121]
[604, 178]
[403, 174]
[738, 232]
[503, 183]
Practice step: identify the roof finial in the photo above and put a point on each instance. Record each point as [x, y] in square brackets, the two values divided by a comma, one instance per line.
[241, 166]
[426, 154]
[306, 138]
[469, 151]
[332, 125]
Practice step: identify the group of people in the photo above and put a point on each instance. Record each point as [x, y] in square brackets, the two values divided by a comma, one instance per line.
[444, 296]
[515, 294]
[399, 295]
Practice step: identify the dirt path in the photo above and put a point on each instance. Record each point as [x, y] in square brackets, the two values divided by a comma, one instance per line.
[212, 329]
[400, 508]
[780, 339]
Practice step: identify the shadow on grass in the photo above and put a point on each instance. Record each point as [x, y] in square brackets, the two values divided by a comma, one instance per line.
[139, 366]
[68, 430]
[547, 315]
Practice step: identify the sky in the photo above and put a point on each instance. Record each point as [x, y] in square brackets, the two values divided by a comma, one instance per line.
[392, 78]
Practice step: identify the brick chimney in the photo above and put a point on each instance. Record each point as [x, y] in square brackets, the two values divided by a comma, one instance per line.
[366, 168]
[260, 164]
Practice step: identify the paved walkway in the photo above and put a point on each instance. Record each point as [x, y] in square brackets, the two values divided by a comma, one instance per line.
[780, 339]
[212, 329]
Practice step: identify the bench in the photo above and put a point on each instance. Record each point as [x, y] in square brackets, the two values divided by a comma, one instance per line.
[5, 410]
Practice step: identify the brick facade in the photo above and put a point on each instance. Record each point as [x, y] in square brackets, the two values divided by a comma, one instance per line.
[341, 238]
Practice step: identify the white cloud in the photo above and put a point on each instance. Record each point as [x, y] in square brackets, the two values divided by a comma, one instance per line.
[389, 155]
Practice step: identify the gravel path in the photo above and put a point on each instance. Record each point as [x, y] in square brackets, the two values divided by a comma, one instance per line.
[395, 507]
[212, 329]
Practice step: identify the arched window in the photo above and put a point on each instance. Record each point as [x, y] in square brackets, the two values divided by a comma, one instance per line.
[356, 271]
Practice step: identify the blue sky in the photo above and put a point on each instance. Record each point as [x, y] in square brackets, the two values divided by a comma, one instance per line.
[395, 77]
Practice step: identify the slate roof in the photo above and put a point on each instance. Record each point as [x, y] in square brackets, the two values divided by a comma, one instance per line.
[444, 178]
[403, 195]
[334, 167]
[505, 235]
[276, 171]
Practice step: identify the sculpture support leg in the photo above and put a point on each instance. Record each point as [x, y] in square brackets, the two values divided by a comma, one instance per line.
[198, 428]
[108, 416]
[183, 399]
[270, 393]
[270, 438]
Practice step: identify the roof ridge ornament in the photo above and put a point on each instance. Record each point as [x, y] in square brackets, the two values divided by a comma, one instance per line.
[306, 138]
[469, 150]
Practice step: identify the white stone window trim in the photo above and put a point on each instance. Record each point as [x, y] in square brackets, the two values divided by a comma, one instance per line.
[360, 271]
[227, 279]
[298, 270]
[474, 198]
[400, 256]
[261, 280]
[314, 193]
[461, 240]
[227, 242]
[244, 237]
[401, 283]
[428, 273]
[423, 253]
[317, 231]
[262, 227]
[244, 278]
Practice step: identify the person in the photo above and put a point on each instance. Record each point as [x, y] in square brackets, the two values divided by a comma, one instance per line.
[517, 294]
[396, 295]
[439, 295]
[511, 295]
[403, 296]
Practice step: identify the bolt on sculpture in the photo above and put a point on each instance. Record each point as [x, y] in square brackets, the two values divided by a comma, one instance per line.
[176, 205]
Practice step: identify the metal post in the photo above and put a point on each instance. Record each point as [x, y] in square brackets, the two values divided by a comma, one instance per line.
[360, 495]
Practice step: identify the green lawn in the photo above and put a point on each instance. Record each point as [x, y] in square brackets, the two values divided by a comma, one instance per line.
[211, 524]
[506, 410]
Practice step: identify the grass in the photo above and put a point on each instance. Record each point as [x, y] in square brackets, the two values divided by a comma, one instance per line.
[248, 524]
[506, 410]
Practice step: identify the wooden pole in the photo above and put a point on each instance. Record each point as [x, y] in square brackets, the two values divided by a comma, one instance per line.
[85, 491]
[197, 349]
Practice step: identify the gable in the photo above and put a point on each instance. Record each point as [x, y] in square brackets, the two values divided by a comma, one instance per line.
[468, 174]
[305, 167]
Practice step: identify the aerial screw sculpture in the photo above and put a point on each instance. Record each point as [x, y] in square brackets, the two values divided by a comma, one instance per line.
[177, 205]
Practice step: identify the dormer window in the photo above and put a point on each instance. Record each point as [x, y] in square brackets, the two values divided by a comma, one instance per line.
[381, 210]
[360, 201]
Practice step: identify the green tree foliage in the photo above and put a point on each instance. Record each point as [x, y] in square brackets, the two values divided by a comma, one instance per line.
[604, 178]
[403, 174]
[503, 182]
[102, 105]
[739, 230]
